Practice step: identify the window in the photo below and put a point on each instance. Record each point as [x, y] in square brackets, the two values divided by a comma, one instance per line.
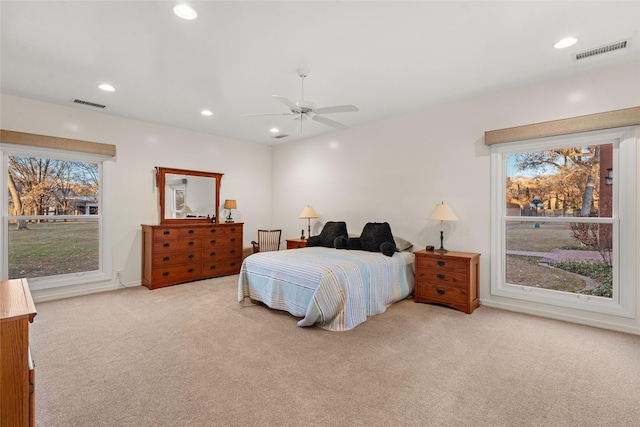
[55, 222]
[563, 221]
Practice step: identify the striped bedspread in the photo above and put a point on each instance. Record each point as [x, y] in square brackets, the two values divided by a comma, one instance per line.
[337, 289]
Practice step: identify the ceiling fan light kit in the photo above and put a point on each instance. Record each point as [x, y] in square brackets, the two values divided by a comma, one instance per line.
[304, 109]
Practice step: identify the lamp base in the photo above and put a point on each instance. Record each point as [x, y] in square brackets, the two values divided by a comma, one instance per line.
[441, 249]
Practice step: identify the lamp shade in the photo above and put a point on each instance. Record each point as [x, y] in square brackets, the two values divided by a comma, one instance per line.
[186, 210]
[308, 212]
[442, 212]
[230, 204]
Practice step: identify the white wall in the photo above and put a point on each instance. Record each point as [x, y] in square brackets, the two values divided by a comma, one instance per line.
[140, 147]
[394, 170]
[397, 170]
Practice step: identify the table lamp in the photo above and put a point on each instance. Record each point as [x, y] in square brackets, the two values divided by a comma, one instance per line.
[230, 204]
[442, 213]
[309, 213]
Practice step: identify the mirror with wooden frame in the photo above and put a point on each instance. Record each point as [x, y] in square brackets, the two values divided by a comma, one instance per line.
[188, 195]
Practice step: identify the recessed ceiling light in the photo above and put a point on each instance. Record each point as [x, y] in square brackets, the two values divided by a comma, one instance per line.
[107, 87]
[274, 130]
[185, 12]
[569, 41]
[206, 113]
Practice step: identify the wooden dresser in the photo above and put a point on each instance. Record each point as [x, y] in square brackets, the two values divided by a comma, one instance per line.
[178, 253]
[450, 278]
[17, 374]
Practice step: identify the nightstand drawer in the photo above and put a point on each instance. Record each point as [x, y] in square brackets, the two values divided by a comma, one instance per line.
[443, 277]
[447, 264]
[448, 295]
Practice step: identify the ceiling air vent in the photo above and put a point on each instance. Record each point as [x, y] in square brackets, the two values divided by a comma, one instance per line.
[90, 104]
[600, 50]
[282, 135]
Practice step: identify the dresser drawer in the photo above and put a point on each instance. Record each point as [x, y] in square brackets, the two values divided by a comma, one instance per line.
[451, 278]
[223, 240]
[221, 252]
[221, 267]
[176, 274]
[161, 259]
[169, 245]
[164, 233]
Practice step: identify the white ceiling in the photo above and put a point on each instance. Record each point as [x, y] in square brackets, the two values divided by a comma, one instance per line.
[387, 58]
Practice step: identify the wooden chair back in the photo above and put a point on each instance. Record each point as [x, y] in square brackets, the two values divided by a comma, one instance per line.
[268, 240]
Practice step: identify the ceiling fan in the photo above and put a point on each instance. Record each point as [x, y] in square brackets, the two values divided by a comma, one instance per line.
[305, 109]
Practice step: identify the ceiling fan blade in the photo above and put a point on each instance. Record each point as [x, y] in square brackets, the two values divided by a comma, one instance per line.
[267, 114]
[336, 109]
[286, 101]
[329, 122]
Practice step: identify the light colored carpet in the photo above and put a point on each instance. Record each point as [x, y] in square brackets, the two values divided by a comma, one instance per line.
[189, 355]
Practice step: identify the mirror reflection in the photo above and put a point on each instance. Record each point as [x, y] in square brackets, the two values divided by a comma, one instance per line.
[187, 195]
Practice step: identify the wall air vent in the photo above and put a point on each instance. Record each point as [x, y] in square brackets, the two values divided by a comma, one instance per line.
[600, 50]
[90, 104]
[282, 135]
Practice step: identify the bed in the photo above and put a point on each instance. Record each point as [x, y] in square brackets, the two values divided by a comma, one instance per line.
[335, 289]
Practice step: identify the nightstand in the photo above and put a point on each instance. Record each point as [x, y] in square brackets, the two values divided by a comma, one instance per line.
[296, 243]
[450, 278]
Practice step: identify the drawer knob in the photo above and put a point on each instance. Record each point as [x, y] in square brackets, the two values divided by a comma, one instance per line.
[441, 263]
[191, 231]
[233, 229]
[441, 276]
[191, 243]
[212, 253]
[212, 241]
[233, 251]
[166, 273]
[233, 263]
[166, 258]
[213, 267]
[166, 232]
[191, 255]
[166, 245]
[190, 270]
[213, 230]
[440, 291]
[233, 239]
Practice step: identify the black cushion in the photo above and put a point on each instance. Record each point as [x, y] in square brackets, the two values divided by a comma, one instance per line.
[313, 241]
[341, 242]
[327, 236]
[374, 234]
[387, 248]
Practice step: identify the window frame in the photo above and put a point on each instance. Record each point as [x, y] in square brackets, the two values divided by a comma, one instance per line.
[624, 219]
[104, 216]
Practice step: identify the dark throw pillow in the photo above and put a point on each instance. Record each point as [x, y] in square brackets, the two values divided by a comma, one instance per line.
[313, 241]
[387, 248]
[327, 236]
[353, 243]
[375, 234]
[341, 242]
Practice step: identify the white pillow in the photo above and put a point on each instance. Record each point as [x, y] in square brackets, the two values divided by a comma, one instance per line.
[402, 244]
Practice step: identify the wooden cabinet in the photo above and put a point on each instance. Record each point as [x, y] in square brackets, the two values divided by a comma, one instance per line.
[173, 254]
[17, 374]
[450, 278]
[296, 243]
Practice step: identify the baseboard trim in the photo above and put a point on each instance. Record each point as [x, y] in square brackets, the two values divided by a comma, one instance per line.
[51, 294]
[563, 317]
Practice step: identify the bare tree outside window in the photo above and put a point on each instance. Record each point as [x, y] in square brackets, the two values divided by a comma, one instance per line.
[50, 205]
[569, 256]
